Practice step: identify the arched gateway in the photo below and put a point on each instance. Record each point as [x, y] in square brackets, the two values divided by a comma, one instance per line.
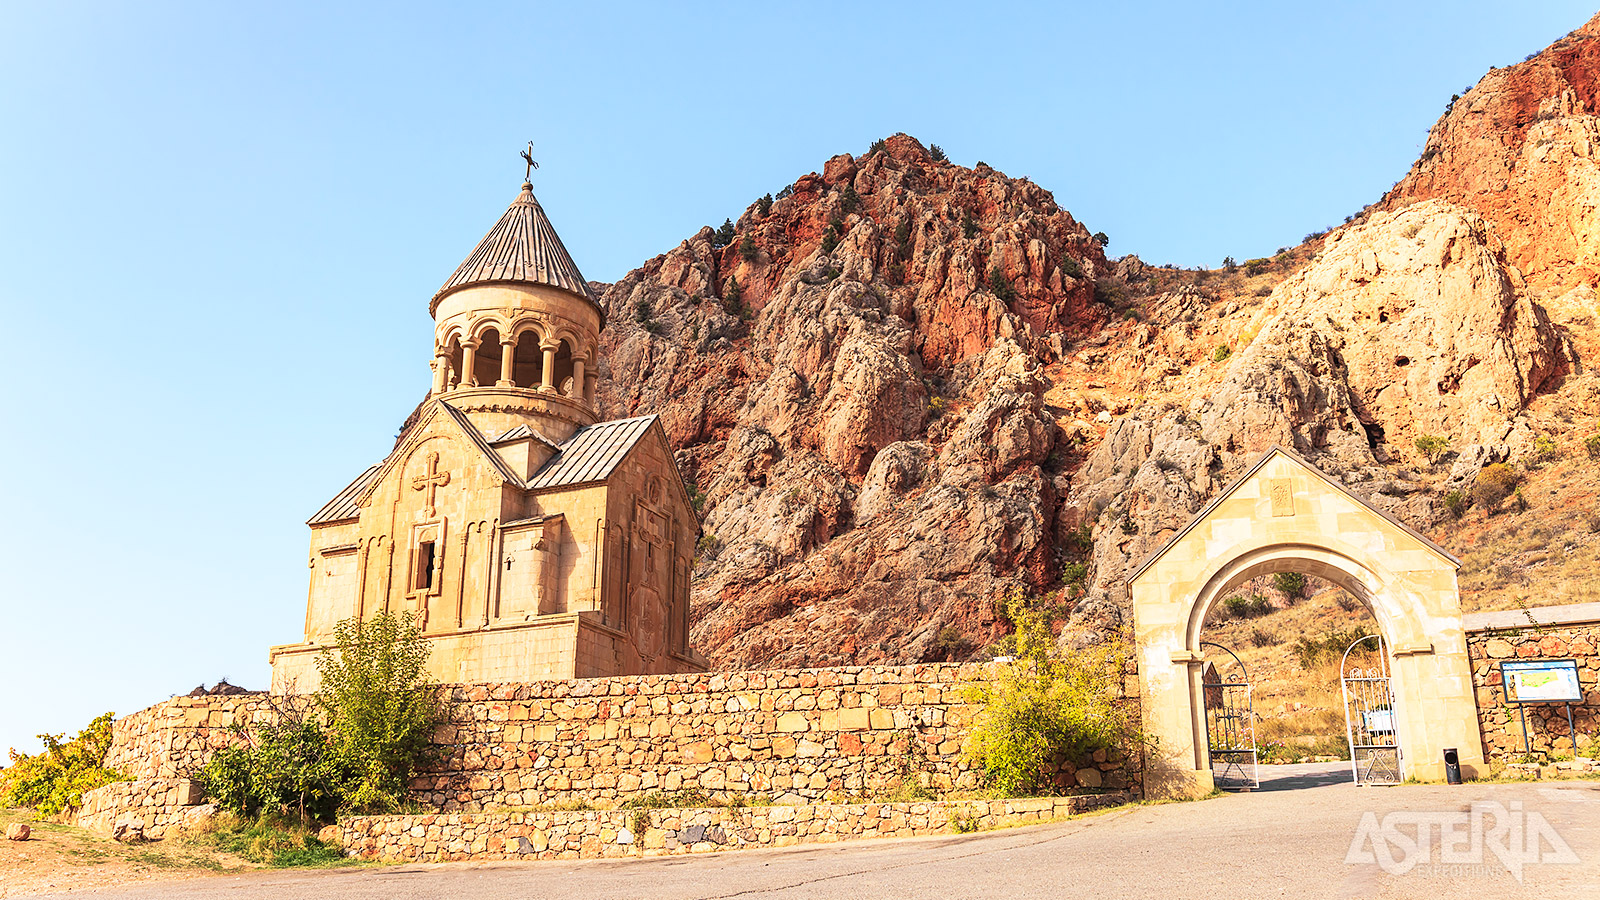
[1286, 516]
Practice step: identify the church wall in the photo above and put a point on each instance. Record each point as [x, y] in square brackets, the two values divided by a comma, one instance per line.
[334, 566]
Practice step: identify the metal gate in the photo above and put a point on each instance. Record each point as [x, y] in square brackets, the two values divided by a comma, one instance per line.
[1369, 719]
[1230, 723]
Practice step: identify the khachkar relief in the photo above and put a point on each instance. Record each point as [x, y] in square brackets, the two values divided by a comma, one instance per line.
[431, 482]
[1282, 494]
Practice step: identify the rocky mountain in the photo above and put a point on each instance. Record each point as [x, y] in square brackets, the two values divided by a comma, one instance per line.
[904, 388]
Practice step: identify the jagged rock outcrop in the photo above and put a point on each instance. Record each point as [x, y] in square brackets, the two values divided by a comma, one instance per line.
[1409, 324]
[854, 385]
[1519, 148]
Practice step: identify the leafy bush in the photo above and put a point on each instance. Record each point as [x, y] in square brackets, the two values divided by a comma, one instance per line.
[902, 238]
[1229, 264]
[1222, 353]
[748, 251]
[1290, 584]
[1493, 485]
[1591, 446]
[1101, 239]
[1329, 647]
[1250, 607]
[1456, 502]
[1074, 573]
[287, 765]
[1070, 267]
[1045, 706]
[1545, 449]
[1433, 447]
[54, 781]
[937, 152]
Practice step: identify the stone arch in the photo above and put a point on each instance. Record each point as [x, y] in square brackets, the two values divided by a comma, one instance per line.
[1285, 515]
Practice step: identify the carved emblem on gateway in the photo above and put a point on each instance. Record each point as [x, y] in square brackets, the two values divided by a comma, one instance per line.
[1282, 497]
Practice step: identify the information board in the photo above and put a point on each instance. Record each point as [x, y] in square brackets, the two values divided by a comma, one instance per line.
[1542, 681]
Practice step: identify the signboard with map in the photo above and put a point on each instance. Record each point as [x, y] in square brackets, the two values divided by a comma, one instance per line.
[1542, 681]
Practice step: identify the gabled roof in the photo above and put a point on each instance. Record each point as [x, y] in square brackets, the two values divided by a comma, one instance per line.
[479, 441]
[344, 504]
[521, 248]
[591, 454]
[522, 432]
[1272, 451]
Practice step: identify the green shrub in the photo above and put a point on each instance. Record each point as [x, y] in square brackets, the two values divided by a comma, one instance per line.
[1070, 267]
[733, 297]
[382, 707]
[1074, 573]
[1456, 502]
[937, 153]
[1493, 485]
[877, 146]
[1045, 706]
[1250, 607]
[748, 251]
[1545, 449]
[287, 766]
[1433, 447]
[1000, 287]
[1591, 446]
[1101, 239]
[1290, 584]
[848, 199]
[830, 239]
[764, 205]
[724, 235]
[902, 238]
[969, 227]
[1222, 352]
[53, 781]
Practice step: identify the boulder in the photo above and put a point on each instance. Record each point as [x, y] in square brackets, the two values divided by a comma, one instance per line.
[18, 831]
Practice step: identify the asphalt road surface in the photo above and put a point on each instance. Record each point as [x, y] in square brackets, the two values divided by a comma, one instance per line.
[1293, 838]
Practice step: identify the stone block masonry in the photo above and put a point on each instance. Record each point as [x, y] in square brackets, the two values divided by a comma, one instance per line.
[617, 833]
[797, 736]
[1551, 632]
[803, 736]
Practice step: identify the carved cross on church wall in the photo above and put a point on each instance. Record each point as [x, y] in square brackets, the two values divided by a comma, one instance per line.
[431, 482]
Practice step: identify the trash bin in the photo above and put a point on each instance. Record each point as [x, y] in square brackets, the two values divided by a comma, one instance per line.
[1452, 766]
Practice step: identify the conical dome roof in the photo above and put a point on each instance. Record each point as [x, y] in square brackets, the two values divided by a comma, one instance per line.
[521, 248]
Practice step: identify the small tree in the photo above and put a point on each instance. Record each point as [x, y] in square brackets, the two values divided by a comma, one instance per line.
[733, 296]
[848, 199]
[748, 251]
[969, 227]
[999, 286]
[830, 239]
[1292, 585]
[382, 706]
[1433, 447]
[1045, 705]
[1229, 264]
[725, 234]
[55, 780]
[1070, 267]
[764, 205]
[1591, 446]
[1101, 239]
[877, 146]
[937, 153]
[285, 765]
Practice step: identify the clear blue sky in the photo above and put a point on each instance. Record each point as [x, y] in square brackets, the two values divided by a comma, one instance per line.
[220, 224]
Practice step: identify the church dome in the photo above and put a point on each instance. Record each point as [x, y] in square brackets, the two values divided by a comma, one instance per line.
[521, 248]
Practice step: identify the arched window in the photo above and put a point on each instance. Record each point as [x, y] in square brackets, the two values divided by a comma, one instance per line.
[486, 362]
[563, 371]
[529, 362]
[452, 378]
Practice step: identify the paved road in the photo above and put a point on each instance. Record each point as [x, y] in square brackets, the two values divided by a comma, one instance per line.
[1277, 842]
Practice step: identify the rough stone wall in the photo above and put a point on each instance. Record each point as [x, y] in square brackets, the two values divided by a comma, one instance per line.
[175, 737]
[1501, 723]
[610, 834]
[795, 736]
[153, 806]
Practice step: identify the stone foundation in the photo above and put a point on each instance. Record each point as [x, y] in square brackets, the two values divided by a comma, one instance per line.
[1551, 632]
[617, 833]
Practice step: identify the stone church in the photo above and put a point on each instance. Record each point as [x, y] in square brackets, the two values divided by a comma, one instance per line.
[531, 540]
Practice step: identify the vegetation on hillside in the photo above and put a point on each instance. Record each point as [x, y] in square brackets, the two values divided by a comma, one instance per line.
[53, 781]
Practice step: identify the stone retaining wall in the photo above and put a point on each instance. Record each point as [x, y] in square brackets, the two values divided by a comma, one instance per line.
[1555, 632]
[793, 736]
[153, 805]
[173, 738]
[608, 834]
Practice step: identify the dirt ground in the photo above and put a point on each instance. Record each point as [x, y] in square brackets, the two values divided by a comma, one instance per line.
[63, 859]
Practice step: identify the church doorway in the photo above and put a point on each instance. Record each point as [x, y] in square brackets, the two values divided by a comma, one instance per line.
[1285, 518]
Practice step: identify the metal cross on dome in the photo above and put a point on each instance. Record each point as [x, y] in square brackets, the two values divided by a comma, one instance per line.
[527, 157]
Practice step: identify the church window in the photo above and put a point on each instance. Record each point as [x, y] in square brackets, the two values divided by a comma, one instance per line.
[422, 578]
